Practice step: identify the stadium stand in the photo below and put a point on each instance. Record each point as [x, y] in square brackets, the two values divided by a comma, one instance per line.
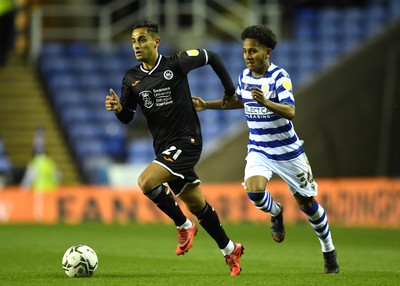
[78, 75]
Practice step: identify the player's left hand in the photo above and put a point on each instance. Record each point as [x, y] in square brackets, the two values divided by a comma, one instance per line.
[227, 98]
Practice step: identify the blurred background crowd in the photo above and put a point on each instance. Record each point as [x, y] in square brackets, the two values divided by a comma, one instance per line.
[58, 59]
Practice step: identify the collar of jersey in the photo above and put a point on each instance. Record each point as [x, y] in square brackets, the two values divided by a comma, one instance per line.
[154, 68]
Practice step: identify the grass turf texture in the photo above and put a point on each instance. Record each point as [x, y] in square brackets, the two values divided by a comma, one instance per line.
[137, 254]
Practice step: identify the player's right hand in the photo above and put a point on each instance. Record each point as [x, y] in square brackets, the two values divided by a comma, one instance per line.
[199, 103]
[112, 102]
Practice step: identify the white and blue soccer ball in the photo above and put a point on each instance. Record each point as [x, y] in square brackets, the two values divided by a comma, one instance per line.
[80, 261]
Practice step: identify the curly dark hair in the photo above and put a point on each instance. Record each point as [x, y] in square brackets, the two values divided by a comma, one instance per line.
[261, 33]
[151, 27]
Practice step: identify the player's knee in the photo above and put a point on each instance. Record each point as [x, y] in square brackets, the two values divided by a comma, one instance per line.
[255, 184]
[145, 184]
[304, 202]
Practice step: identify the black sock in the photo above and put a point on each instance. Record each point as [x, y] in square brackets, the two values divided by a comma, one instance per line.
[208, 219]
[166, 202]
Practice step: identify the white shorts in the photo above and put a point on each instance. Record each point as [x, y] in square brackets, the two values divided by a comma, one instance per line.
[296, 172]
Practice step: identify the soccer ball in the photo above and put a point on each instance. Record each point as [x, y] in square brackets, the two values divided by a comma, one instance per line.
[80, 261]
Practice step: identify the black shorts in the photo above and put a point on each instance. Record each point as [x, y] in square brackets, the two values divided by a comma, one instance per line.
[179, 159]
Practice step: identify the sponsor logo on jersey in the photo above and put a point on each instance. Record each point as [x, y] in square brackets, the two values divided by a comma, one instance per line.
[135, 83]
[168, 74]
[168, 159]
[257, 111]
[146, 97]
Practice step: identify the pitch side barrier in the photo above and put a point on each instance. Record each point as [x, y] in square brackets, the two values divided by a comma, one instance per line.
[364, 202]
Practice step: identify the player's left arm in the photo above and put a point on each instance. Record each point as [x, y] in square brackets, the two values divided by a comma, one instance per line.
[215, 61]
[193, 59]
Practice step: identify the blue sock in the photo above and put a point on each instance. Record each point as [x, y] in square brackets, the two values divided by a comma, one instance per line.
[263, 201]
[319, 222]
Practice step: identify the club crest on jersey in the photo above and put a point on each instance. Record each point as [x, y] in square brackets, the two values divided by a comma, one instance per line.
[168, 74]
[146, 97]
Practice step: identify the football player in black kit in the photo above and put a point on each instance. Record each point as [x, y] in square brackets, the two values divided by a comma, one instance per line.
[159, 85]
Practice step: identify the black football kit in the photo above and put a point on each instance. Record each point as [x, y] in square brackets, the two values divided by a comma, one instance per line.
[164, 97]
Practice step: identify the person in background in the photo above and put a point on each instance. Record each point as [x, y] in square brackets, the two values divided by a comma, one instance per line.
[39, 140]
[42, 174]
[159, 85]
[265, 92]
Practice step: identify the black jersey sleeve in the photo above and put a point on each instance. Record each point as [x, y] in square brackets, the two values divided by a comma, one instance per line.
[215, 61]
[128, 102]
[192, 59]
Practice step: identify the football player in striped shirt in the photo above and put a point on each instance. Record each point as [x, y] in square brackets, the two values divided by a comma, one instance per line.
[264, 91]
[159, 85]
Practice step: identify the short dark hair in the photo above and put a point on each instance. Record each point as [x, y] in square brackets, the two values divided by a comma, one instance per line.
[151, 27]
[261, 33]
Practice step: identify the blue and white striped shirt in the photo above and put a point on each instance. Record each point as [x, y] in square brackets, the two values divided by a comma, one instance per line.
[270, 134]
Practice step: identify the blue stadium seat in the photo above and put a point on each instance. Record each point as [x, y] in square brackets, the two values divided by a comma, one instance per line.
[94, 97]
[377, 13]
[394, 10]
[352, 32]
[58, 81]
[77, 49]
[89, 147]
[329, 31]
[84, 130]
[353, 15]
[114, 138]
[102, 116]
[84, 65]
[55, 64]
[305, 31]
[140, 151]
[284, 50]
[75, 115]
[306, 15]
[211, 131]
[91, 80]
[67, 98]
[112, 64]
[329, 15]
[52, 49]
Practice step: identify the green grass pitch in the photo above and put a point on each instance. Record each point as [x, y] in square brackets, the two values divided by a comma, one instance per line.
[144, 254]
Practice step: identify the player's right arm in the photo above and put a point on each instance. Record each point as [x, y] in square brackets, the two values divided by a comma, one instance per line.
[200, 104]
[112, 102]
[124, 107]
